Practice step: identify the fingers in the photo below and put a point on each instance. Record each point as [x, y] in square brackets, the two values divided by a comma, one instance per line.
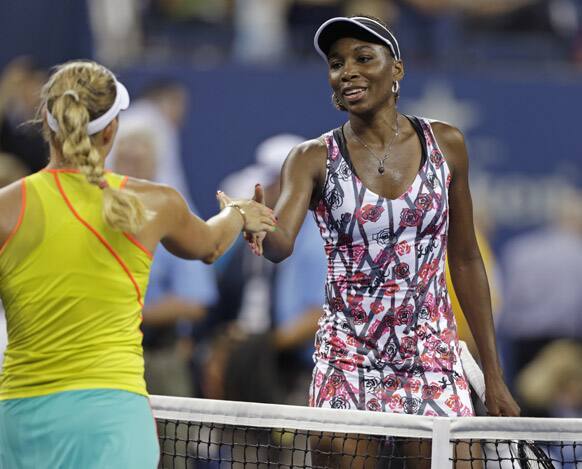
[223, 199]
[257, 216]
[493, 411]
[503, 408]
[259, 194]
[256, 243]
[264, 216]
[257, 246]
[511, 410]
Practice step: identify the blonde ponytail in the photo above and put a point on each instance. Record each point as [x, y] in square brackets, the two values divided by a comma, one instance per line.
[77, 93]
[123, 210]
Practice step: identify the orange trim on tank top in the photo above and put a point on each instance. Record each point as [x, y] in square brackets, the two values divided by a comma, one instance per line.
[130, 237]
[20, 215]
[67, 170]
[64, 170]
[100, 238]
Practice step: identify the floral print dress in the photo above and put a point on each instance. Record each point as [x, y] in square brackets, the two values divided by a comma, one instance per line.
[387, 340]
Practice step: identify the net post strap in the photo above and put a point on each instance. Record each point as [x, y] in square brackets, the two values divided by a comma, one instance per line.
[442, 449]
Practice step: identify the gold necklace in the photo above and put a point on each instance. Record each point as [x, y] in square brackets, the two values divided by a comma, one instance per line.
[387, 154]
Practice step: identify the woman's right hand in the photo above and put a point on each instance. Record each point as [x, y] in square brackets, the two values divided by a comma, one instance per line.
[257, 217]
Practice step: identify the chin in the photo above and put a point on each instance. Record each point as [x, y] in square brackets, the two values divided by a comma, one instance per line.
[359, 108]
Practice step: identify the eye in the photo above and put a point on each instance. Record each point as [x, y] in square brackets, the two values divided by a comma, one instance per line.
[335, 65]
[364, 58]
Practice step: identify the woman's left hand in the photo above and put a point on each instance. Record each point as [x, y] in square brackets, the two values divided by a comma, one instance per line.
[498, 399]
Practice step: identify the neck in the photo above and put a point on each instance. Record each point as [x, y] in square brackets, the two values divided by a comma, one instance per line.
[57, 160]
[378, 128]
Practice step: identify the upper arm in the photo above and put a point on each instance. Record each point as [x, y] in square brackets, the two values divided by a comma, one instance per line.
[184, 234]
[462, 241]
[302, 175]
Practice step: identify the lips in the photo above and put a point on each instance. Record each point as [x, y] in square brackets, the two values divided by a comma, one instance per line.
[353, 94]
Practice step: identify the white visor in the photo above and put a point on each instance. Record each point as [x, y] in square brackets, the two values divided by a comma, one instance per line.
[121, 103]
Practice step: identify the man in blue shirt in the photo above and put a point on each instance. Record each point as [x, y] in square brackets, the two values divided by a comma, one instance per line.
[267, 315]
[179, 292]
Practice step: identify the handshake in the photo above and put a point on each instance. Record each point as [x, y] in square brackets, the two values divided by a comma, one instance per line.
[258, 219]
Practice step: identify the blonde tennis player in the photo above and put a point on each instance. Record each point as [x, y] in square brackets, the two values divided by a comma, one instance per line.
[76, 247]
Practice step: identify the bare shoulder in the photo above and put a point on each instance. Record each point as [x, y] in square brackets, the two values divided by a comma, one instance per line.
[309, 152]
[159, 198]
[146, 188]
[308, 157]
[452, 143]
[10, 207]
[448, 135]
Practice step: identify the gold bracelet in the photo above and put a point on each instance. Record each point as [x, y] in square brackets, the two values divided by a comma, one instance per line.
[240, 210]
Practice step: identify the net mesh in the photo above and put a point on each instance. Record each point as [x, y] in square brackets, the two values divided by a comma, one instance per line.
[197, 433]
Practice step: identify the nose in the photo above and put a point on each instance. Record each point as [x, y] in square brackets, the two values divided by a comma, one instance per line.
[350, 71]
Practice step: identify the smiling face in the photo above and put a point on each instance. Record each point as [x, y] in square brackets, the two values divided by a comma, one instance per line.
[362, 73]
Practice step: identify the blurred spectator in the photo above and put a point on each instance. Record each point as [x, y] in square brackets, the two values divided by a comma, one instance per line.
[457, 30]
[260, 30]
[199, 29]
[551, 384]
[542, 294]
[304, 17]
[116, 26]
[268, 313]
[162, 109]
[179, 291]
[381, 9]
[11, 169]
[20, 85]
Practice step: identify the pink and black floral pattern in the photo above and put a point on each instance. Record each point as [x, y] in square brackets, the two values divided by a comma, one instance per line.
[387, 341]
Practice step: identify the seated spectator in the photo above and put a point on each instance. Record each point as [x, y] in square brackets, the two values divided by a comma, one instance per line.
[268, 313]
[162, 109]
[551, 384]
[542, 295]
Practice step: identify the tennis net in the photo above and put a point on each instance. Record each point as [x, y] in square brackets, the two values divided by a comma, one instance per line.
[202, 433]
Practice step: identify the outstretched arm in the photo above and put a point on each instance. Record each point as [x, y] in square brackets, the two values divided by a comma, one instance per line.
[468, 272]
[188, 236]
[302, 175]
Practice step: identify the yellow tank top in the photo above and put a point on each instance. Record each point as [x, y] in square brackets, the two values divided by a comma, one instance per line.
[72, 289]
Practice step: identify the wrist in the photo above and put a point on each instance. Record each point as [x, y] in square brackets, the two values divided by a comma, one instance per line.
[240, 210]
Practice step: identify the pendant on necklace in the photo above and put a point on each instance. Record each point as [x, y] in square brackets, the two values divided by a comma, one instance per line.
[381, 169]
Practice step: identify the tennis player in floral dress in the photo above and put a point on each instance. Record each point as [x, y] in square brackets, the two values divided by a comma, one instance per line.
[391, 197]
[387, 340]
